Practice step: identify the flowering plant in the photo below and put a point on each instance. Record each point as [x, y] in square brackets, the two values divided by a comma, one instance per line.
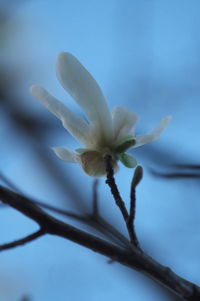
[104, 133]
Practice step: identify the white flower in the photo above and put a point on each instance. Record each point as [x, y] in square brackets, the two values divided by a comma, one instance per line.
[105, 132]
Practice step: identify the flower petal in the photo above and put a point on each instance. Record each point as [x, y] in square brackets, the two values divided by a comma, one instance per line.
[155, 134]
[65, 154]
[123, 122]
[74, 124]
[79, 83]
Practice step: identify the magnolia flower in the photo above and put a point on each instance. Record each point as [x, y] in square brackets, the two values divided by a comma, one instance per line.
[104, 133]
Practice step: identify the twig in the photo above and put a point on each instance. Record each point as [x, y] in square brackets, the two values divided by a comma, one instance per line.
[131, 258]
[95, 207]
[60, 211]
[22, 241]
[113, 187]
[41, 204]
[10, 184]
[93, 220]
[130, 221]
[120, 203]
[124, 242]
[100, 223]
[96, 222]
[25, 298]
[174, 175]
[187, 166]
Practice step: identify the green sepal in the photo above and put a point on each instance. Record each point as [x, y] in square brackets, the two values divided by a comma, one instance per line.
[127, 160]
[82, 150]
[123, 139]
[124, 144]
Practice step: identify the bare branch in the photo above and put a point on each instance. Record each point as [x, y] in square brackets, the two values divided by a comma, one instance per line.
[113, 232]
[61, 211]
[22, 241]
[120, 203]
[25, 298]
[93, 220]
[10, 184]
[174, 175]
[130, 221]
[95, 206]
[132, 258]
[188, 166]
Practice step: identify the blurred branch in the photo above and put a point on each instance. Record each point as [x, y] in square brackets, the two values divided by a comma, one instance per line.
[25, 298]
[188, 166]
[132, 258]
[10, 184]
[22, 241]
[174, 175]
[182, 171]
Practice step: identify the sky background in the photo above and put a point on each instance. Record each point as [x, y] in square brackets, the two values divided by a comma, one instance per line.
[145, 56]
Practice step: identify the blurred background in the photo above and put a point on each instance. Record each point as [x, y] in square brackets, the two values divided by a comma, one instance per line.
[145, 56]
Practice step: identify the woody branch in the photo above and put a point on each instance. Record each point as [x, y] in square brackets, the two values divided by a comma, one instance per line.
[132, 258]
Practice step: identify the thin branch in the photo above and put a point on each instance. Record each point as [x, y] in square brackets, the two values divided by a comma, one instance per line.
[10, 184]
[130, 221]
[114, 231]
[96, 222]
[93, 220]
[132, 258]
[61, 211]
[22, 241]
[188, 166]
[95, 207]
[100, 224]
[174, 175]
[113, 187]
[25, 298]
[119, 202]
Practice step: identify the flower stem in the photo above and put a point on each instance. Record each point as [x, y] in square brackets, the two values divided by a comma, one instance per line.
[113, 187]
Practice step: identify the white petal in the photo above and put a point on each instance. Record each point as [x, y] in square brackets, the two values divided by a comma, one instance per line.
[74, 124]
[65, 154]
[79, 83]
[123, 122]
[155, 134]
